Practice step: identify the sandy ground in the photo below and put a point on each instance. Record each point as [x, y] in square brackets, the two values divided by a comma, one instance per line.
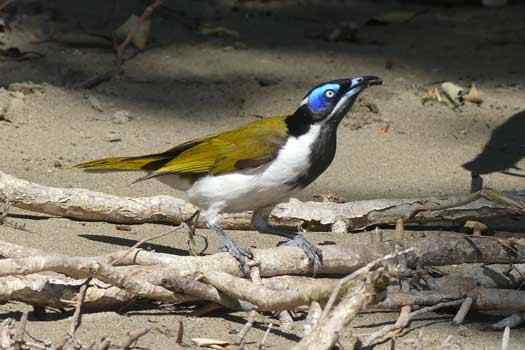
[188, 85]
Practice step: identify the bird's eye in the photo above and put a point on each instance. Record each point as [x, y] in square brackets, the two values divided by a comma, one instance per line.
[329, 93]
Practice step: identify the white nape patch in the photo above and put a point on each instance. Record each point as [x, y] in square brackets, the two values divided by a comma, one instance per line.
[256, 188]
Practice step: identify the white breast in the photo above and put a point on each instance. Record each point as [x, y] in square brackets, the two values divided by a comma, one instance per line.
[256, 188]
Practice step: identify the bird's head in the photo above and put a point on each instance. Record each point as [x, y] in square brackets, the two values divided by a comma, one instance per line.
[328, 103]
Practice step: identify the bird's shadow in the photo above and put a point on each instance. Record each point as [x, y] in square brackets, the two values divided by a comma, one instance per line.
[131, 242]
[503, 151]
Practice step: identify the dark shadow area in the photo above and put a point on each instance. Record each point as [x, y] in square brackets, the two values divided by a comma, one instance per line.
[504, 150]
[437, 43]
[124, 242]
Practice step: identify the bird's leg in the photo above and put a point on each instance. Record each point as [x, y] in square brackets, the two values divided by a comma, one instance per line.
[228, 245]
[261, 222]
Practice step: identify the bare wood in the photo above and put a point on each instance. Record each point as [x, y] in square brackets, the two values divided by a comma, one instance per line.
[327, 331]
[463, 311]
[265, 299]
[134, 336]
[438, 250]
[80, 204]
[314, 314]
[396, 329]
[505, 339]
[77, 316]
[511, 321]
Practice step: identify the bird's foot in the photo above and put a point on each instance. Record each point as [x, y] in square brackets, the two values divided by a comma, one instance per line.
[314, 254]
[240, 254]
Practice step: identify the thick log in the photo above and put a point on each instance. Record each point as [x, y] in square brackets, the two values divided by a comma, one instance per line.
[81, 204]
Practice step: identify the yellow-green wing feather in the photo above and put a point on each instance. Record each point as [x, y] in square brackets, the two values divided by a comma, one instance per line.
[248, 146]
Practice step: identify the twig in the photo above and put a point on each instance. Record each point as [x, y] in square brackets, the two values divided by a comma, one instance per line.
[133, 248]
[241, 337]
[97, 80]
[261, 345]
[20, 331]
[395, 330]
[356, 274]
[77, 316]
[511, 321]
[314, 314]
[327, 332]
[180, 333]
[463, 311]
[506, 339]
[134, 336]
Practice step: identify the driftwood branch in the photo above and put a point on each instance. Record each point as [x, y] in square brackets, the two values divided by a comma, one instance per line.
[80, 204]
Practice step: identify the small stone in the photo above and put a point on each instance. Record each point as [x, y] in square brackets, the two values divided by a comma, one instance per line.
[95, 103]
[113, 136]
[121, 117]
[57, 164]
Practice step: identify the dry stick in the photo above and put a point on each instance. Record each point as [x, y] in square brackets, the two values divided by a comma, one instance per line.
[77, 316]
[141, 242]
[511, 321]
[487, 193]
[328, 330]
[356, 274]
[261, 345]
[20, 331]
[241, 337]
[180, 333]
[314, 314]
[256, 278]
[432, 250]
[393, 330]
[463, 311]
[80, 204]
[506, 339]
[134, 336]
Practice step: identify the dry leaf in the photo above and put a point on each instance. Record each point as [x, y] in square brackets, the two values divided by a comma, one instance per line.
[473, 95]
[432, 94]
[454, 93]
[385, 129]
[140, 31]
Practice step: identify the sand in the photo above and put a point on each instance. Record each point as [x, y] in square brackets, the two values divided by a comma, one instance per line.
[189, 85]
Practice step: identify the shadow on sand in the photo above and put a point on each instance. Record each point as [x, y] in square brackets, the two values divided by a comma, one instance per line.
[503, 151]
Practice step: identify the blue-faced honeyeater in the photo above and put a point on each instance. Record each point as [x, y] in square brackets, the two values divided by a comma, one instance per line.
[256, 165]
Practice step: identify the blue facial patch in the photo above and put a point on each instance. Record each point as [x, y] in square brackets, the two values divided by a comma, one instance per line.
[322, 97]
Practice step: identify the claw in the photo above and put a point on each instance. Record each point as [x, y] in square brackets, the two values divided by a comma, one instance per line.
[240, 254]
[314, 254]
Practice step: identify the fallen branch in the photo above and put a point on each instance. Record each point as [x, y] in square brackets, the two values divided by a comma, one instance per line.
[328, 330]
[80, 204]
[403, 322]
[434, 250]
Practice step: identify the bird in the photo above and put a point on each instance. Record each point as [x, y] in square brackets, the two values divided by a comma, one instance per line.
[256, 166]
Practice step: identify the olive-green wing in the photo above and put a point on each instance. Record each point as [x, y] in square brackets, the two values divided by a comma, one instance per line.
[247, 147]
